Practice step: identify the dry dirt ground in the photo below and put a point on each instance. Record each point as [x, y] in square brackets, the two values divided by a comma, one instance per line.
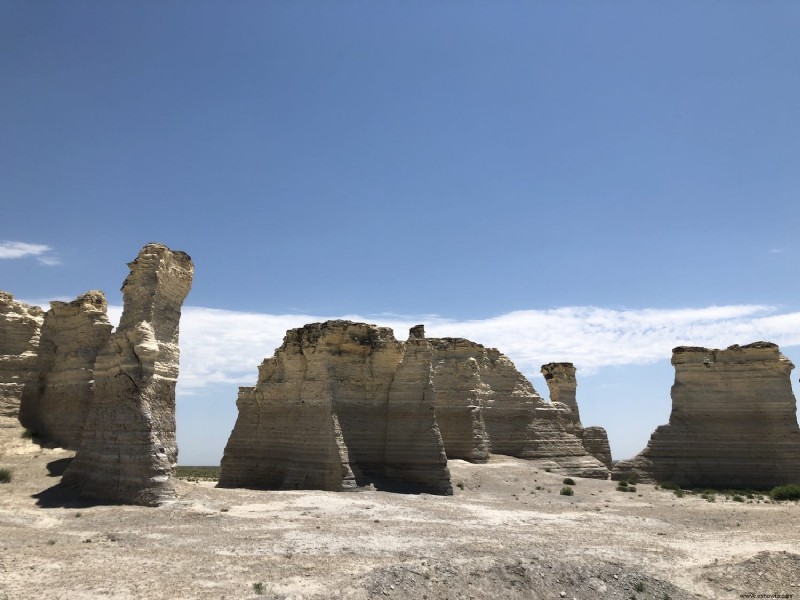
[506, 533]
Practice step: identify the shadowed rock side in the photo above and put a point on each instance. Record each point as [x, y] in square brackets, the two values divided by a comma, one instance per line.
[415, 451]
[483, 403]
[319, 416]
[20, 326]
[733, 422]
[55, 405]
[562, 383]
[128, 451]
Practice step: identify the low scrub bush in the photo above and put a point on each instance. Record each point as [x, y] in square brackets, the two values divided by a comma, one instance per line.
[568, 481]
[669, 485]
[785, 492]
[567, 491]
[5, 475]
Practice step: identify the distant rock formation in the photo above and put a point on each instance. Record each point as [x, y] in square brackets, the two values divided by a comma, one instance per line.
[128, 451]
[20, 326]
[55, 405]
[563, 384]
[484, 404]
[733, 422]
[339, 404]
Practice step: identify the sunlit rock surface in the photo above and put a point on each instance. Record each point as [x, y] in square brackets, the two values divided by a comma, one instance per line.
[128, 451]
[20, 326]
[56, 403]
[338, 405]
[733, 422]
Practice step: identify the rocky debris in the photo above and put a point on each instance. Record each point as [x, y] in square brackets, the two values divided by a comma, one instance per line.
[55, 405]
[128, 451]
[338, 405]
[563, 384]
[20, 326]
[733, 422]
[513, 575]
[484, 404]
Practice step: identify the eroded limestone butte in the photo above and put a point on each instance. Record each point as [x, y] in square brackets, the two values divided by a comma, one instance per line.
[20, 326]
[128, 451]
[733, 422]
[56, 403]
[563, 384]
[340, 404]
[484, 404]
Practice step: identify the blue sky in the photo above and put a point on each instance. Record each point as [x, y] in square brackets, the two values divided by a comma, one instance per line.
[566, 181]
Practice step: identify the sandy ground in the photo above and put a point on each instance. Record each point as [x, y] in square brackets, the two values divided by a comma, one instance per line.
[506, 533]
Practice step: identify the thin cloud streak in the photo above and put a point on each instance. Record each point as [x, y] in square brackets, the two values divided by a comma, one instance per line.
[14, 250]
[225, 347]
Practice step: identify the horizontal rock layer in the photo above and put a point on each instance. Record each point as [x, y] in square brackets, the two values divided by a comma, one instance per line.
[327, 413]
[733, 422]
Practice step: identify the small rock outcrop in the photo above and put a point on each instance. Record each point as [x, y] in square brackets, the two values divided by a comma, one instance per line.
[733, 422]
[128, 451]
[563, 384]
[20, 326]
[55, 405]
[340, 404]
[484, 404]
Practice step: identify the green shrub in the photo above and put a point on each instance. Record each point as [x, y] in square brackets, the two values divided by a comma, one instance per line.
[258, 588]
[28, 434]
[737, 498]
[668, 485]
[568, 481]
[567, 491]
[5, 475]
[679, 493]
[622, 483]
[639, 587]
[785, 492]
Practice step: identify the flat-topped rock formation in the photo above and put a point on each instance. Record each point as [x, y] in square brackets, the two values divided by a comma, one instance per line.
[484, 404]
[339, 404]
[20, 326]
[733, 422]
[563, 384]
[55, 404]
[128, 452]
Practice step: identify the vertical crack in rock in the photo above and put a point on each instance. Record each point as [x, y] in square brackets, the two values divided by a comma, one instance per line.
[733, 422]
[561, 381]
[322, 402]
[55, 405]
[128, 452]
[20, 326]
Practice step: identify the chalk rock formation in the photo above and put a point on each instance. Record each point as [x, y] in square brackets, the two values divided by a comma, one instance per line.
[561, 381]
[483, 404]
[338, 405]
[20, 326]
[733, 422]
[55, 405]
[128, 451]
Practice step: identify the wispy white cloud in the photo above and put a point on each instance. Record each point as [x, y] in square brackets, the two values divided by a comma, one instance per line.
[44, 254]
[225, 347]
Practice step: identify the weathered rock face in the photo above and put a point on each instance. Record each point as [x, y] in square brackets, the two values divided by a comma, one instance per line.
[561, 381]
[338, 405]
[128, 451]
[55, 405]
[733, 422]
[460, 398]
[483, 404]
[20, 326]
